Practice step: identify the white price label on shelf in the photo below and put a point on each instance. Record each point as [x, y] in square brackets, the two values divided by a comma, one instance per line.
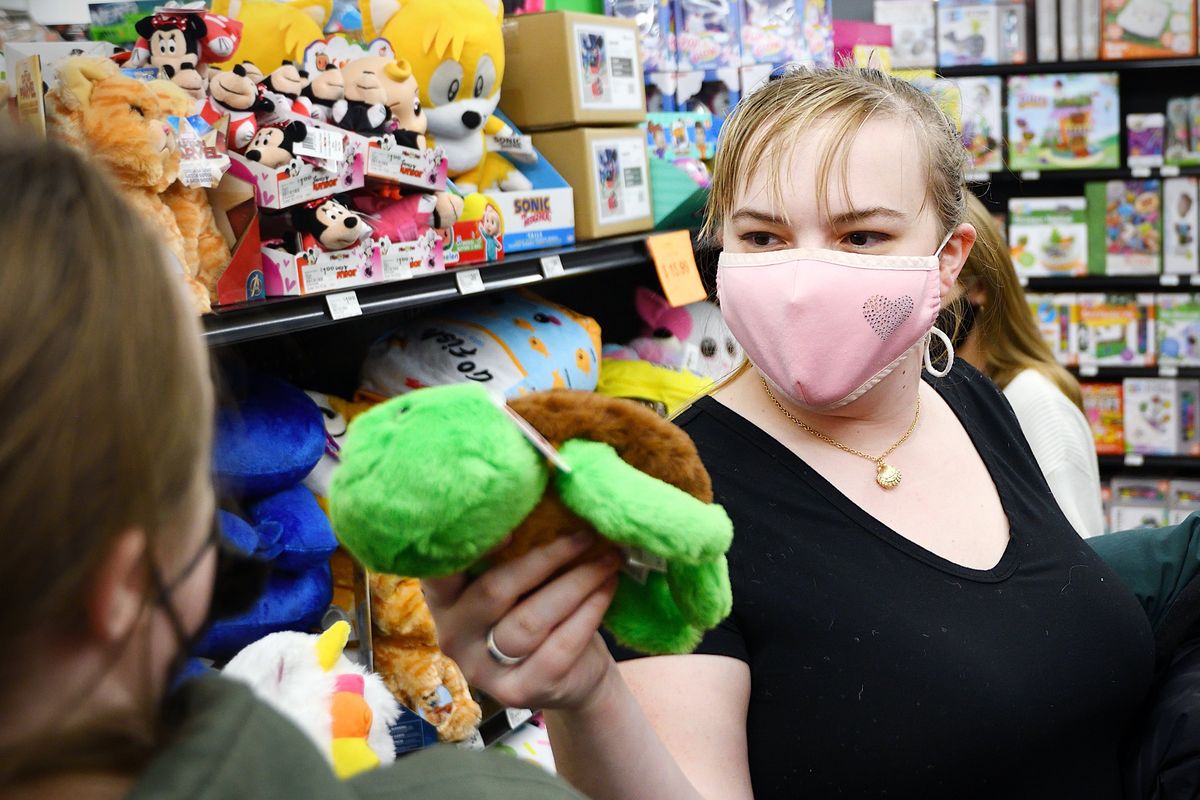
[469, 281]
[1192, 279]
[1088, 370]
[1135, 460]
[977, 177]
[1168, 371]
[517, 715]
[1031, 175]
[1140, 172]
[1168, 280]
[1023, 280]
[343, 305]
[1170, 171]
[551, 266]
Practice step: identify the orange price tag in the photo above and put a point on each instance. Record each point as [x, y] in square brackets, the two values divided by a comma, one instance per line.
[675, 263]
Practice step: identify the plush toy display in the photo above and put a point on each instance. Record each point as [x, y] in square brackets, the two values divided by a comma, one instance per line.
[236, 95]
[432, 482]
[397, 91]
[345, 710]
[412, 665]
[326, 88]
[364, 104]
[456, 52]
[274, 145]
[512, 343]
[177, 36]
[288, 81]
[188, 78]
[404, 217]
[694, 337]
[328, 224]
[121, 124]
[273, 31]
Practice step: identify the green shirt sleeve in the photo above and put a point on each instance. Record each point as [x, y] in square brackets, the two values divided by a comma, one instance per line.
[1155, 563]
[448, 773]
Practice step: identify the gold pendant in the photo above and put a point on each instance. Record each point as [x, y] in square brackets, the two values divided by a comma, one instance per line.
[887, 476]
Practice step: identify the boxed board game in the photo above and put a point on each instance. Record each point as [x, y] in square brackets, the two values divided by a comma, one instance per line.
[1180, 253]
[1177, 320]
[982, 122]
[1139, 503]
[656, 30]
[1184, 501]
[1144, 137]
[1102, 405]
[1160, 416]
[707, 35]
[913, 25]
[681, 134]
[1048, 235]
[1064, 121]
[1115, 330]
[1056, 317]
[1148, 29]
[1124, 227]
[981, 32]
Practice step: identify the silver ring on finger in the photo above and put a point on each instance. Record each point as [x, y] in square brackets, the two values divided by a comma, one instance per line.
[499, 656]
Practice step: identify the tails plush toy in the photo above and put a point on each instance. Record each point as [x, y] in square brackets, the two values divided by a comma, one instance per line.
[432, 481]
[456, 52]
[344, 709]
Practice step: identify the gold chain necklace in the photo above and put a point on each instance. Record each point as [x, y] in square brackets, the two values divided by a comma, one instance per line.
[886, 475]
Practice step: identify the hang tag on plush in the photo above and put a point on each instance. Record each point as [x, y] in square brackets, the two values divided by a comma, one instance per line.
[322, 145]
[202, 160]
[640, 563]
[531, 433]
[512, 144]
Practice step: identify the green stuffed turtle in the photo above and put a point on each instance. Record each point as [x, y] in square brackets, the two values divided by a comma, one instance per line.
[432, 481]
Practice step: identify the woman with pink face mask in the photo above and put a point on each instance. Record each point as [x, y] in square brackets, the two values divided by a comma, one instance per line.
[913, 614]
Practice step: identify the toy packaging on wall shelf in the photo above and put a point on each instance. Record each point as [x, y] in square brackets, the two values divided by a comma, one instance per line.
[1125, 227]
[681, 135]
[863, 44]
[1184, 501]
[1102, 405]
[1048, 235]
[656, 30]
[1064, 121]
[982, 122]
[1056, 317]
[1145, 138]
[707, 34]
[715, 92]
[610, 172]
[1180, 253]
[1148, 29]
[1180, 146]
[596, 59]
[772, 32]
[1115, 330]
[913, 24]
[1139, 503]
[981, 32]
[1046, 19]
[1161, 416]
[660, 91]
[1178, 324]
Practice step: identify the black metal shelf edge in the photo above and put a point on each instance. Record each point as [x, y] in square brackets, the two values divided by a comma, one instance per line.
[1116, 373]
[278, 316]
[1112, 283]
[1149, 463]
[1077, 175]
[1068, 66]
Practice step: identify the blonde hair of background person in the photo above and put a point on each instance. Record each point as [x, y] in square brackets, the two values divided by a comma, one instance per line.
[1004, 343]
[858, 162]
[106, 414]
[1004, 340]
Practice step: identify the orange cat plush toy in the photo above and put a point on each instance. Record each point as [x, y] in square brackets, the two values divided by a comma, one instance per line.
[121, 123]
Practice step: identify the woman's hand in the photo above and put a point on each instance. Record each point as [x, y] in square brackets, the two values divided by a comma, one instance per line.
[550, 626]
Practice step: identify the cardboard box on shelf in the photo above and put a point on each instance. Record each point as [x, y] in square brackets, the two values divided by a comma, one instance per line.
[610, 173]
[288, 274]
[1160, 416]
[1178, 324]
[1148, 29]
[1103, 407]
[1048, 235]
[565, 69]
[1064, 121]
[1181, 256]
[283, 187]
[913, 23]
[974, 32]
[1057, 317]
[1116, 330]
[1139, 503]
[1124, 227]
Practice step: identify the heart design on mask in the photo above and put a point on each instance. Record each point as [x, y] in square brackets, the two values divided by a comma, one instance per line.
[885, 316]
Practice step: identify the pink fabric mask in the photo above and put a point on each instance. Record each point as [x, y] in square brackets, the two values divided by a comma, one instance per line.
[824, 326]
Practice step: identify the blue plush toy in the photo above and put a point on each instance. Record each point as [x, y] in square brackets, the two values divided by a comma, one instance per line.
[264, 447]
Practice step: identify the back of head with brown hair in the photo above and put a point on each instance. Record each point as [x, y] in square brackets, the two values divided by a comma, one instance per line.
[105, 414]
[1008, 336]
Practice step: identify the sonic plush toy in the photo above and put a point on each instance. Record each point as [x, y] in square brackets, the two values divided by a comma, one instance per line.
[432, 481]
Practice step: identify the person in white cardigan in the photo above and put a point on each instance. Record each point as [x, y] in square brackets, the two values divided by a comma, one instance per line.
[996, 333]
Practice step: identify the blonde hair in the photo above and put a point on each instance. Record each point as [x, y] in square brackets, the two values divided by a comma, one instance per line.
[1009, 339]
[106, 418]
[764, 126]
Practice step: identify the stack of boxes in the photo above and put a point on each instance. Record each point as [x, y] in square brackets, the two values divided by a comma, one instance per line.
[574, 81]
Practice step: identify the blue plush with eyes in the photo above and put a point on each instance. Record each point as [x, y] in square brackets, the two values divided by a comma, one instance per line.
[306, 537]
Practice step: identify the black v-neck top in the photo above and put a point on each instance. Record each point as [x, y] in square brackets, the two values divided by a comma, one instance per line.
[879, 669]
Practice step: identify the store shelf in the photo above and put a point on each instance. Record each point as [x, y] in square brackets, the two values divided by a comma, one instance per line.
[278, 316]
[1113, 283]
[1148, 464]
[1116, 373]
[1078, 175]
[1070, 66]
